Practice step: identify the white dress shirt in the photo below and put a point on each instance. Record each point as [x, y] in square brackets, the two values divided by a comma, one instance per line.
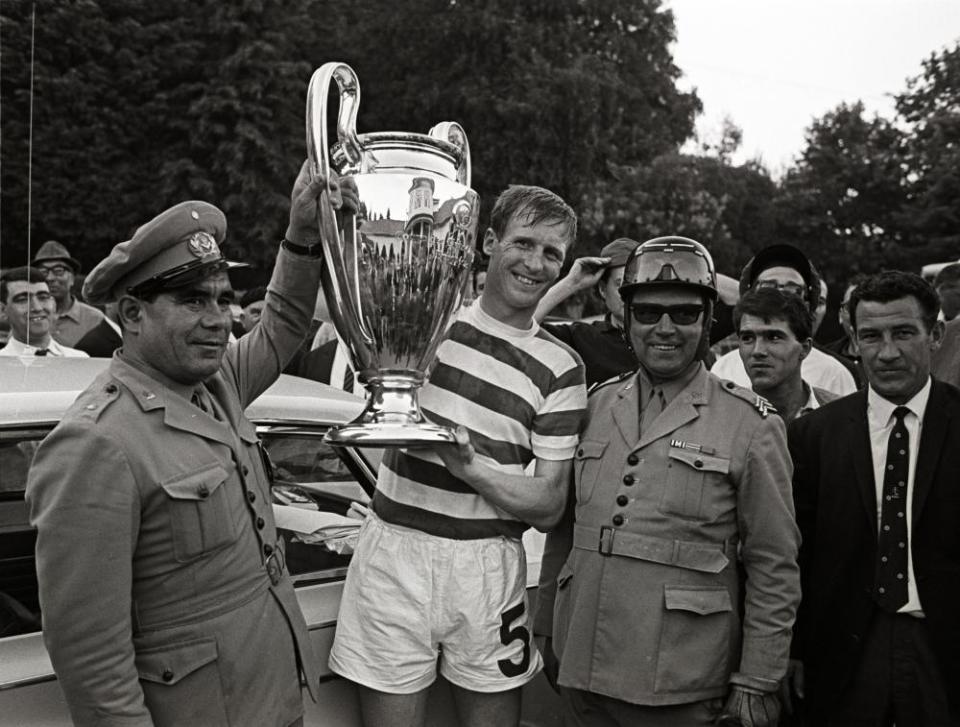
[880, 421]
[19, 348]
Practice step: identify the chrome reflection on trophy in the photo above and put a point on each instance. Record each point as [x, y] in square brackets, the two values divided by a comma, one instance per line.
[395, 272]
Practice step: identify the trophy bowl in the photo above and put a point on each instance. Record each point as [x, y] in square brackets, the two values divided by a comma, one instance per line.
[395, 270]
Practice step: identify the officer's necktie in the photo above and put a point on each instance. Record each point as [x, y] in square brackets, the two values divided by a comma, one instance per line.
[655, 404]
[892, 551]
[201, 401]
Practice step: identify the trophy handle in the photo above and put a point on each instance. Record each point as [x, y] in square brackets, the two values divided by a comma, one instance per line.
[453, 133]
[318, 96]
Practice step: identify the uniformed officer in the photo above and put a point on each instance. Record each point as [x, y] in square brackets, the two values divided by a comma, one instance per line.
[162, 584]
[682, 483]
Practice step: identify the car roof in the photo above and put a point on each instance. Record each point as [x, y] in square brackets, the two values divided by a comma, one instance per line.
[38, 390]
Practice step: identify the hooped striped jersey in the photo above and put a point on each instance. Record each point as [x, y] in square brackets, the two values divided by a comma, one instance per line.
[521, 395]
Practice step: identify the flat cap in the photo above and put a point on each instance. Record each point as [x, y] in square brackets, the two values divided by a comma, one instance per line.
[618, 251]
[170, 250]
[52, 251]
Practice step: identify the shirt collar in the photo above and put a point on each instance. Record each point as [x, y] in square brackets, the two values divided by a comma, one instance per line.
[70, 312]
[670, 388]
[810, 404]
[880, 410]
[20, 348]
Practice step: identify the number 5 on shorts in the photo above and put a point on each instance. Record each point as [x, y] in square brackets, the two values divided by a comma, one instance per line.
[508, 636]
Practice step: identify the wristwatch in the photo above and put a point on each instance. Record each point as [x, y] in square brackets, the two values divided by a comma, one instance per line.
[314, 249]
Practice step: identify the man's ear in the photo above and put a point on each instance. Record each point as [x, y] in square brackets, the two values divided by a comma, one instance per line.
[806, 346]
[129, 312]
[489, 241]
[936, 334]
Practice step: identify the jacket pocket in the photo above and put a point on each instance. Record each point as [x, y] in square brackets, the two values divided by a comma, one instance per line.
[199, 510]
[181, 683]
[695, 641]
[689, 474]
[587, 461]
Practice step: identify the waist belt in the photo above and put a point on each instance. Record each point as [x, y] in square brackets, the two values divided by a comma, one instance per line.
[706, 557]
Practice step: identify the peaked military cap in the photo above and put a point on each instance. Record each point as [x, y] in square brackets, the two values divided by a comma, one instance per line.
[176, 247]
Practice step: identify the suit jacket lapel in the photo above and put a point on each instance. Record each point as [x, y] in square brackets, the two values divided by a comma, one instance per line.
[933, 437]
[861, 452]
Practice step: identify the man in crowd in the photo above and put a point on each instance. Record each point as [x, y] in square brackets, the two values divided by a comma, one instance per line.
[30, 310]
[601, 344]
[681, 480]
[162, 582]
[876, 489]
[439, 570]
[845, 347]
[947, 285]
[251, 307]
[775, 335]
[74, 318]
[787, 268]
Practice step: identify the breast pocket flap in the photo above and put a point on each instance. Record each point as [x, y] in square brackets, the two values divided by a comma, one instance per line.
[170, 664]
[590, 450]
[703, 601]
[700, 461]
[196, 485]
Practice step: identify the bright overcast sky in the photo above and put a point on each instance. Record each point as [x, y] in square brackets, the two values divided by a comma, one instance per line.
[773, 66]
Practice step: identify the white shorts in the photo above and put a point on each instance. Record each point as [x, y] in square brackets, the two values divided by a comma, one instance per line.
[411, 597]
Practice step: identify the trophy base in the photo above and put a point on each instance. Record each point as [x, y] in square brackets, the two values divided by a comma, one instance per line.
[388, 435]
[392, 417]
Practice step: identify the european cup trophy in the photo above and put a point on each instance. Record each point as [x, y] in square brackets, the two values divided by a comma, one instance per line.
[395, 272]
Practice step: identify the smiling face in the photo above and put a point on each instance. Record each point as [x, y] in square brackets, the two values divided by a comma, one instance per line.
[524, 263]
[30, 309]
[181, 333]
[770, 351]
[666, 349]
[896, 346]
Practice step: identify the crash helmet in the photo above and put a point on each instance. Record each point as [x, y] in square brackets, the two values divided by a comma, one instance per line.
[788, 256]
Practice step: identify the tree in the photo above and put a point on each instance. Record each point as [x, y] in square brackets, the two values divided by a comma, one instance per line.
[841, 202]
[930, 111]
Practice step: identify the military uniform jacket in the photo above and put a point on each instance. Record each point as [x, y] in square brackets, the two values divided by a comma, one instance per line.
[161, 584]
[650, 604]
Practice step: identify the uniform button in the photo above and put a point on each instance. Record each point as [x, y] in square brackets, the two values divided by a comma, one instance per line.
[268, 549]
[632, 459]
[698, 463]
[618, 520]
[245, 470]
[167, 675]
[622, 500]
[251, 496]
[111, 388]
[203, 490]
[580, 452]
[628, 480]
[260, 523]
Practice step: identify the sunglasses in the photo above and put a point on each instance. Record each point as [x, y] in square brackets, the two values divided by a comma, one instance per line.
[681, 315]
[792, 288]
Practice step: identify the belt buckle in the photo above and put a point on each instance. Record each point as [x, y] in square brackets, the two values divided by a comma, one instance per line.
[605, 547]
[274, 565]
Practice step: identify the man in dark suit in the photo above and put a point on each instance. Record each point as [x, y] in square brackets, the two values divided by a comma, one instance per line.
[877, 491]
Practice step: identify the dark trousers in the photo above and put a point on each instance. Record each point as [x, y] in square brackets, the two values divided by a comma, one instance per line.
[586, 709]
[897, 680]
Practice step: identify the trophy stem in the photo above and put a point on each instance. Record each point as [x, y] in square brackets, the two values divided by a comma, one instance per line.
[392, 417]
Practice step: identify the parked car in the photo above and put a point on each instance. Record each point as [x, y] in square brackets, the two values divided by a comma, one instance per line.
[291, 419]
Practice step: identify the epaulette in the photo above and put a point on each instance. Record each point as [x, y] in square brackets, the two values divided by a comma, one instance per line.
[614, 380]
[96, 402]
[758, 402]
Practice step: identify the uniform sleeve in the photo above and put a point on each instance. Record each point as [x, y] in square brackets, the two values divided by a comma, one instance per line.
[769, 541]
[257, 359]
[85, 505]
[556, 550]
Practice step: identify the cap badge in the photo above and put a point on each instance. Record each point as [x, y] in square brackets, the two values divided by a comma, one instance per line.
[202, 244]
